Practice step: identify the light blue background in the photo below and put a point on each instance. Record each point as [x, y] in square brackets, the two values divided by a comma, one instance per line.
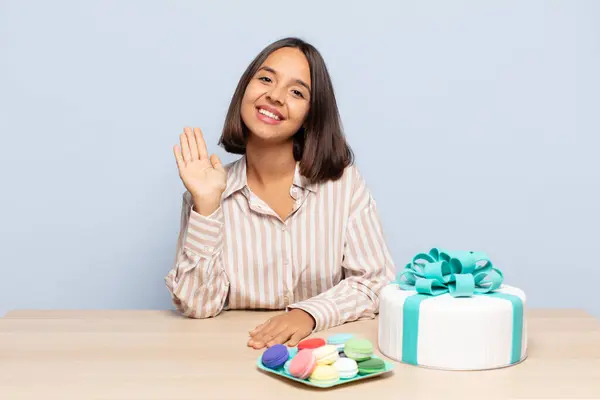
[476, 125]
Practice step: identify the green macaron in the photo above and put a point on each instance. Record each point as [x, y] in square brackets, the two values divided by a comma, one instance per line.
[371, 366]
[358, 349]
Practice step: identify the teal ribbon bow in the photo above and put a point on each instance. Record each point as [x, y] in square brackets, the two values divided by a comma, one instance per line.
[459, 273]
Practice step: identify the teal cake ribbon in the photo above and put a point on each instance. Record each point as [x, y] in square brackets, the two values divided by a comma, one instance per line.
[459, 274]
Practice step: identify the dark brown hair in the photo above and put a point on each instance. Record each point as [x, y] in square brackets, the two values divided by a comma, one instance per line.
[319, 145]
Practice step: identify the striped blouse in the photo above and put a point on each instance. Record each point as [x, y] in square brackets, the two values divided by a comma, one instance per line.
[328, 257]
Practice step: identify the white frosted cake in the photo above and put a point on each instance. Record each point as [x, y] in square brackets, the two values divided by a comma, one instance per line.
[450, 310]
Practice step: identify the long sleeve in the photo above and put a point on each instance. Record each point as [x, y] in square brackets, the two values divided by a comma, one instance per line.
[197, 281]
[366, 263]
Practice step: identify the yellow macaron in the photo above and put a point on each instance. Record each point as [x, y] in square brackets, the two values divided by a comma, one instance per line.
[324, 375]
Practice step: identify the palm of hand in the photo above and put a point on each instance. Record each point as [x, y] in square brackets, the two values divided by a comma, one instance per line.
[202, 179]
[203, 176]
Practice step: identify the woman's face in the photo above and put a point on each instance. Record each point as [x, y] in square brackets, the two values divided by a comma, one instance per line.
[277, 99]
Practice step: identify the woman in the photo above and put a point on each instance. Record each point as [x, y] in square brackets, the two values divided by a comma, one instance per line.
[291, 225]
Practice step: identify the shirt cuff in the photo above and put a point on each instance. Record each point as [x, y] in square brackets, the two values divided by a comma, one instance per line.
[324, 311]
[204, 235]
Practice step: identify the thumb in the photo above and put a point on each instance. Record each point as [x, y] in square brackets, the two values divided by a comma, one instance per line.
[216, 162]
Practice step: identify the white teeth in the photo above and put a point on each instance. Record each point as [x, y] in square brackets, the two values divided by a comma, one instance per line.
[268, 114]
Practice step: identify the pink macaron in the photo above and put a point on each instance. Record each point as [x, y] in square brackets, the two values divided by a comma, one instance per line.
[303, 364]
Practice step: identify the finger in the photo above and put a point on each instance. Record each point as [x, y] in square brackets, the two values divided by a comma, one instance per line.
[202, 151]
[257, 340]
[256, 343]
[185, 147]
[178, 157]
[297, 337]
[216, 162]
[273, 336]
[281, 337]
[263, 337]
[259, 327]
[191, 137]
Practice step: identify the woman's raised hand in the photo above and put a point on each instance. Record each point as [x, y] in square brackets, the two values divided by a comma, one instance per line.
[203, 176]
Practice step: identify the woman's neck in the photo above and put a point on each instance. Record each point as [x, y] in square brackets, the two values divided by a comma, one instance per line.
[270, 164]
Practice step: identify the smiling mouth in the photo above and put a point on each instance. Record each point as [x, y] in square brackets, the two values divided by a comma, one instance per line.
[269, 114]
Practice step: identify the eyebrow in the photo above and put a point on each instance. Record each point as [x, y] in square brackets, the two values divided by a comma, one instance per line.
[299, 81]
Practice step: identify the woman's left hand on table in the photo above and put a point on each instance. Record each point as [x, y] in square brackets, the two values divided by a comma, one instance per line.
[288, 328]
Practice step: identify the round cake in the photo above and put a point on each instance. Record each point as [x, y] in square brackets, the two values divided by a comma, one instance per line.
[480, 331]
[450, 310]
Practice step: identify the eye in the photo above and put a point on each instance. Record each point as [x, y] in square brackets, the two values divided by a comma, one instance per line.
[298, 93]
[264, 79]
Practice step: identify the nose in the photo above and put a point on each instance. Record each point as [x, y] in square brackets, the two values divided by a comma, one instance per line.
[276, 94]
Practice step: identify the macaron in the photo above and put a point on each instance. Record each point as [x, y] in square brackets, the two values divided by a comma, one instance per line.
[358, 349]
[324, 375]
[275, 356]
[339, 339]
[347, 368]
[326, 355]
[286, 367]
[371, 366]
[303, 364]
[312, 343]
[292, 351]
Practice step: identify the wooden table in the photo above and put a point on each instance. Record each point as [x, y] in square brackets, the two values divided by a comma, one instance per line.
[160, 355]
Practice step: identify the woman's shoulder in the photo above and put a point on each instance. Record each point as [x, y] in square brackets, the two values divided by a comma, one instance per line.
[350, 186]
[351, 178]
[350, 192]
[234, 166]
